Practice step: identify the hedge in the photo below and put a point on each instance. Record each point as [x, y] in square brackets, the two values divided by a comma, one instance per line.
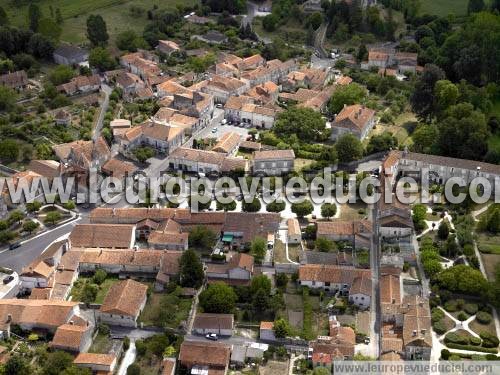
[483, 317]
[472, 348]
[470, 308]
[455, 338]
[462, 316]
[439, 327]
[437, 315]
[476, 341]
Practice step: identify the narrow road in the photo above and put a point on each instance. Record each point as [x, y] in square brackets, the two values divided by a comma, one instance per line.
[375, 311]
[104, 107]
[128, 358]
[319, 40]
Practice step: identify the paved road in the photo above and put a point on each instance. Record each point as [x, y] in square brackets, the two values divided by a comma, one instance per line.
[375, 311]
[233, 340]
[32, 248]
[104, 107]
[319, 39]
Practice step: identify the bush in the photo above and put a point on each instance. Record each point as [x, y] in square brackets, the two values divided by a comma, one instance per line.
[437, 315]
[470, 308]
[462, 316]
[455, 338]
[451, 306]
[141, 347]
[483, 317]
[126, 343]
[489, 340]
[472, 348]
[103, 329]
[476, 341]
[445, 354]
[439, 327]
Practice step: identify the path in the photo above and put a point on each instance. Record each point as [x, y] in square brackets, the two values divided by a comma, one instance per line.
[459, 324]
[128, 358]
[104, 107]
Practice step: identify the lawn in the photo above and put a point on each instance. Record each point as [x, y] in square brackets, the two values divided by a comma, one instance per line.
[478, 327]
[292, 32]
[301, 163]
[488, 243]
[102, 292]
[280, 252]
[103, 289]
[116, 13]
[444, 7]
[101, 344]
[494, 139]
[166, 310]
[352, 211]
[490, 261]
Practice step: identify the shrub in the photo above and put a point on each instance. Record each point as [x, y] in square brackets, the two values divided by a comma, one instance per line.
[103, 329]
[126, 343]
[470, 308]
[472, 348]
[483, 317]
[455, 338]
[451, 306]
[489, 340]
[445, 354]
[141, 347]
[437, 315]
[439, 327]
[462, 316]
[476, 341]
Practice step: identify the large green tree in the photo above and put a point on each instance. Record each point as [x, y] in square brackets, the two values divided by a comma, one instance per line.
[306, 124]
[346, 95]
[349, 148]
[34, 16]
[101, 59]
[218, 298]
[97, 31]
[191, 269]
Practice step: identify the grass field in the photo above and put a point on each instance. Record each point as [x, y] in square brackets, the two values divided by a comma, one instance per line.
[490, 261]
[488, 244]
[478, 327]
[116, 13]
[292, 32]
[444, 7]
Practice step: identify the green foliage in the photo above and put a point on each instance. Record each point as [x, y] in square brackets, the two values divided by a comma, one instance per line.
[258, 248]
[218, 298]
[143, 153]
[30, 226]
[281, 280]
[302, 209]
[443, 230]
[253, 206]
[191, 269]
[276, 206]
[52, 217]
[128, 40]
[202, 238]
[134, 368]
[490, 340]
[346, 95]
[328, 210]
[17, 365]
[96, 30]
[432, 267]
[462, 316]
[439, 327]
[49, 28]
[281, 328]
[470, 308]
[201, 64]
[463, 279]
[381, 142]
[101, 59]
[483, 317]
[99, 276]
[57, 362]
[324, 245]
[349, 148]
[306, 124]
[8, 98]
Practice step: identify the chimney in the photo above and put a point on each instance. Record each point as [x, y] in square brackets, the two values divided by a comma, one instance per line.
[71, 323]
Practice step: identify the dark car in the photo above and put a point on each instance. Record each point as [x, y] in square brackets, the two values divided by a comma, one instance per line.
[14, 245]
[8, 279]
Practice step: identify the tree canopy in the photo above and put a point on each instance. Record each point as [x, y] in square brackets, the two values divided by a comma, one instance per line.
[346, 95]
[191, 269]
[218, 298]
[307, 124]
[97, 31]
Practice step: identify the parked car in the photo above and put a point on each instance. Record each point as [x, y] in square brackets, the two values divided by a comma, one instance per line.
[14, 245]
[8, 279]
[212, 336]
[214, 130]
[223, 122]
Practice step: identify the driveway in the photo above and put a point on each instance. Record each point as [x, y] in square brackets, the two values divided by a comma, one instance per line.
[104, 107]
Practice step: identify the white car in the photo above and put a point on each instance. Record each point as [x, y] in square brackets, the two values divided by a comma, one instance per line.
[212, 336]
[223, 122]
[214, 130]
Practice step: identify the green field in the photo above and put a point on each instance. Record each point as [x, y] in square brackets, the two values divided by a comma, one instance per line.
[444, 7]
[116, 13]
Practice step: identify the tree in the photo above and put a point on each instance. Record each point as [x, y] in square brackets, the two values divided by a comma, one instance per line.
[30, 225]
[59, 17]
[202, 238]
[276, 206]
[34, 16]
[432, 267]
[61, 74]
[475, 6]
[8, 98]
[134, 369]
[281, 328]
[53, 217]
[463, 279]
[89, 292]
[33, 206]
[270, 22]
[362, 53]
[306, 124]
[260, 282]
[201, 64]
[349, 148]
[218, 298]
[17, 365]
[302, 209]
[49, 28]
[493, 221]
[16, 217]
[346, 95]
[4, 18]
[96, 30]
[324, 245]
[281, 280]
[314, 20]
[101, 59]
[443, 230]
[191, 269]
[253, 206]
[423, 100]
[99, 276]
[127, 41]
[328, 210]
[424, 138]
[9, 149]
[57, 362]
[446, 94]
[381, 142]
[260, 302]
[258, 248]
[40, 46]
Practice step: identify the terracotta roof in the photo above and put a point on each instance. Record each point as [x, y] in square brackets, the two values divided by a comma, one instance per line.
[213, 321]
[84, 148]
[391, 356]
[204, 354]
[119, 168]
[122, 257]
[354, 116]
[228, 84]
[169, 44]
[331, 273]
[416, 321]
[69, 336]
[377, 56]
[390, 292]
[154, 130]
[45, 168]
[250, 145]
[70, 260]
[362, 285]
[95, 359]
[14, 79]
[228, 142]
[37, 268]
[40, 293]
[343, 227]
[237, 102]
[273, 154]
[392, 344]
[242, 260]
[266, 325]
[344, 80]
[250, 62]
[120, 123]
[124, 298]
[64, 277]
[102, 235]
